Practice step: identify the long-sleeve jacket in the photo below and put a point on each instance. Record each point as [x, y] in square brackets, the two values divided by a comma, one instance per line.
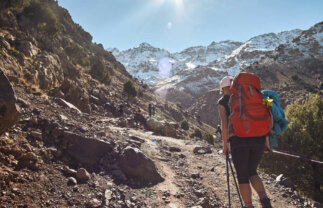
[280, 123]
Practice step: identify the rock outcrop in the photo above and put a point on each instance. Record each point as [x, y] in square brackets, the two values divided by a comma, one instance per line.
[8, 110]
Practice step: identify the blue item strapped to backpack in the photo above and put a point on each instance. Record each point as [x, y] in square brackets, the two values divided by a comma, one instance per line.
[280, 123]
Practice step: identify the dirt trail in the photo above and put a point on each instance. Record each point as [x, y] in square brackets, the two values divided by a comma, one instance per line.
[197, 180]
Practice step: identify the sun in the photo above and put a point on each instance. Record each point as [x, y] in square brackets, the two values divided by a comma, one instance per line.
[178, 6]
[178, 3]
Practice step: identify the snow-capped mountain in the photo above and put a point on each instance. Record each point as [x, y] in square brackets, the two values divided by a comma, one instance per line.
[296, 66]
[192, 57]
[306, 46]
[198, 69]
[253, 50]
[142, 61]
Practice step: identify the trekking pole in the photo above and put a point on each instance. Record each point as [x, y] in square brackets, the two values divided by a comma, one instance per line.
[235, 181]
[228, 178]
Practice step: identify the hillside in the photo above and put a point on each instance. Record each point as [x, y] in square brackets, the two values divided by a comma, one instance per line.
[295, 67]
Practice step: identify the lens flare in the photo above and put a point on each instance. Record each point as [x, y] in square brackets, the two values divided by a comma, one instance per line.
[169, 25]
[164, 67]
[179, 2]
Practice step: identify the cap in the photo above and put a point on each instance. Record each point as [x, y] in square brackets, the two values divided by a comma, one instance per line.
[226, 82]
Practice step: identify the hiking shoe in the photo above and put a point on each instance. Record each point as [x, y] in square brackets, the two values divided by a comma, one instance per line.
[265, 203]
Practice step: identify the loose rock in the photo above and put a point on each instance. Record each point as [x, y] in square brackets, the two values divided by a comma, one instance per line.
[82, 174]
[202, 150]
[71, 181]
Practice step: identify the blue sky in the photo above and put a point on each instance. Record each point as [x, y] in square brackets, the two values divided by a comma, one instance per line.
[178, 24]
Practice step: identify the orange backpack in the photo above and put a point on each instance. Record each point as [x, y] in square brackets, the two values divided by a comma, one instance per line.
[249, 116]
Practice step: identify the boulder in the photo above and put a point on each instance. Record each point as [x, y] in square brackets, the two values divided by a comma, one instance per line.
[27, 48]
[85, 150]
[174, 149]
[8, 108]
[202, 150]
[76, 95]
[135, 164]
[162, 127]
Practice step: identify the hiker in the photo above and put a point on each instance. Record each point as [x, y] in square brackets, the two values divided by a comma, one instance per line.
[218, 130]
[224, 111]
[139, 118]
[153, 110]
[149, 109]
[246, 152]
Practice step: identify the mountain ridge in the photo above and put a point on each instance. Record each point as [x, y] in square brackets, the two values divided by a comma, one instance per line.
[197, 69]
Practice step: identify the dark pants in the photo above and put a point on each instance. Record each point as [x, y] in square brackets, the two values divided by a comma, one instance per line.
[246, 155]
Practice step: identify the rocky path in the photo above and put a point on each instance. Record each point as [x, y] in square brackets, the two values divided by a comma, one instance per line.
[198, 180]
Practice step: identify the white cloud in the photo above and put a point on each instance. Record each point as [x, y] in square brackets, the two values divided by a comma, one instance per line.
[169, 25]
